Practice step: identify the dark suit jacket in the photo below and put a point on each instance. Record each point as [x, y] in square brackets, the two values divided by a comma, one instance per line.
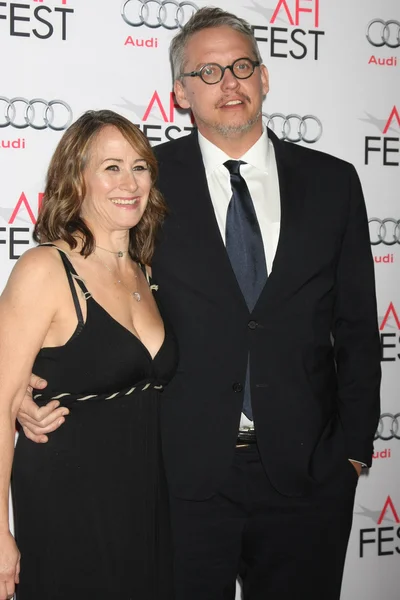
[312, 336]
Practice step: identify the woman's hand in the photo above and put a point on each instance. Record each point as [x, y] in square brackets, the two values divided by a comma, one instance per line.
[9, 565]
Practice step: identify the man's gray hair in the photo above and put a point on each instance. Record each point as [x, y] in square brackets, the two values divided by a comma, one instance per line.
[205, 18]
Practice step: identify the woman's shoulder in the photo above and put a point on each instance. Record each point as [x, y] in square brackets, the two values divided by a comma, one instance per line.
[39, 256]
[34, 283]
[38, 264]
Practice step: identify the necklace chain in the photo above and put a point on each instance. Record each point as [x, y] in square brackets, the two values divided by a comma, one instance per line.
[135, 294]
[119, 253]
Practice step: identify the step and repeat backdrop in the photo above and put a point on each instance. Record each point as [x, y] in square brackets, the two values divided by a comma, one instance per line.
[335, 86]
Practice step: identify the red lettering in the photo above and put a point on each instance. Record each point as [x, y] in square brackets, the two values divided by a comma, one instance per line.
[388, 504]
[282, 4]
[299, 8]
[22, 201]
[390, 310]
[155, 99]
[393, 114]
[129, 40]
[307, 10]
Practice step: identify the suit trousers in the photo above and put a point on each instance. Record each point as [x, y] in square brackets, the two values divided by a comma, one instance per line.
[281, 547]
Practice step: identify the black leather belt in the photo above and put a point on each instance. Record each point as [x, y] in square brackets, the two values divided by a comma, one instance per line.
[247, 436]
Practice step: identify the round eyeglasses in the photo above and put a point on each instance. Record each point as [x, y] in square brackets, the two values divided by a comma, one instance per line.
[241, 68]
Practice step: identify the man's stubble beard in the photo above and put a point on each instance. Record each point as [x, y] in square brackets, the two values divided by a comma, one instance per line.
[232, 131]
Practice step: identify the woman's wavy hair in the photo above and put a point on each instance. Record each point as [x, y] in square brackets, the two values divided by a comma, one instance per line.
[59, 216]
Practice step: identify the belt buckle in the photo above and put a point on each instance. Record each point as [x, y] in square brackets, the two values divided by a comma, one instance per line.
[246, 437]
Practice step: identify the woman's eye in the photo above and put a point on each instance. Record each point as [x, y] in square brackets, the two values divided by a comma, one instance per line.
[140, 168]
[112, 168]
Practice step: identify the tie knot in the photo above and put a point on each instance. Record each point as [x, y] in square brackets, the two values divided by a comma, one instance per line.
[233, 166]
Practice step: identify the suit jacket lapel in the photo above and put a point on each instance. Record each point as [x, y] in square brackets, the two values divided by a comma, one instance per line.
[197, 215]
[291, 187]
[215, 263]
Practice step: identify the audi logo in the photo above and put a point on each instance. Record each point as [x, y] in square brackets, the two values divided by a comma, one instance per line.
[385, 231]
[295, 128]
[37, 113]
[384, 33]
[164, 13]
[388, 427]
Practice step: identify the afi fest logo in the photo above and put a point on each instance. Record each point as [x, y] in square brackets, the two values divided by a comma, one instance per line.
[383, 149]
[143, 15]
[301, 39]
[389, 327]
[162, 110]
[384, 538]
[19, 219]
[384, 35]
[36, 19]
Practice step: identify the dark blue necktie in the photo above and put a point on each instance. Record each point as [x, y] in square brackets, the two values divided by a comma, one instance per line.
[245, 250]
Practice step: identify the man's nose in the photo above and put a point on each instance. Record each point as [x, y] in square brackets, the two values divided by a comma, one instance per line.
[229, 80]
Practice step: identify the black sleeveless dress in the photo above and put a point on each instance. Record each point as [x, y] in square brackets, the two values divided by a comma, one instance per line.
[91, 505]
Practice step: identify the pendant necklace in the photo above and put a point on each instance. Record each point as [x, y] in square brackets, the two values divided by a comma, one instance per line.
[135, 294]
[119, 253]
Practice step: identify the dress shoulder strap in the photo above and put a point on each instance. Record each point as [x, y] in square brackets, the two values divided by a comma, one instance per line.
[71, 276]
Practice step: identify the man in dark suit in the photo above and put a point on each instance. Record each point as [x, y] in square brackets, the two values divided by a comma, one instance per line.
[265, 272]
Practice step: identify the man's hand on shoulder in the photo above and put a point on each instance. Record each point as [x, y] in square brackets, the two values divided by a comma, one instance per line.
[37, 421]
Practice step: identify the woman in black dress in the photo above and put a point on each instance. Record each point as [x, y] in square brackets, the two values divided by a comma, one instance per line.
[90, 506]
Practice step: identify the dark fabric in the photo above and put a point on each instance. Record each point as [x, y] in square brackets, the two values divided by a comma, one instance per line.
[283, 547]
[245, 248]
[312, 335]
[91, 505]
[315, 375]
[244, 242]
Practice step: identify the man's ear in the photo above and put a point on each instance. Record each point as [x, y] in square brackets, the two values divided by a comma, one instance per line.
[264, 79]
[180, 94]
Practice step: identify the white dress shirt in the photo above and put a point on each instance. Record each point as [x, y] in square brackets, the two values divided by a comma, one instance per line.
[261, 176]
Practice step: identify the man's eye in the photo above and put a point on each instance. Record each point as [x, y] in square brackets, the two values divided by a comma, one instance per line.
[209, 70]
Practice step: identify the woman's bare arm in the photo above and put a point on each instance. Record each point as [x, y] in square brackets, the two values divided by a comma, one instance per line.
[27, 309]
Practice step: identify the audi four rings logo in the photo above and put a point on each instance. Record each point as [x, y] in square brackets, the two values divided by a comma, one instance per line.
[384, 33]
[37, 113]
[295, 128]
[386, 231]
[157, 13]
[388, 427]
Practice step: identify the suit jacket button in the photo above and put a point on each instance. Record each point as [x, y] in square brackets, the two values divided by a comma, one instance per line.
[237, 387]
[252, 324]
